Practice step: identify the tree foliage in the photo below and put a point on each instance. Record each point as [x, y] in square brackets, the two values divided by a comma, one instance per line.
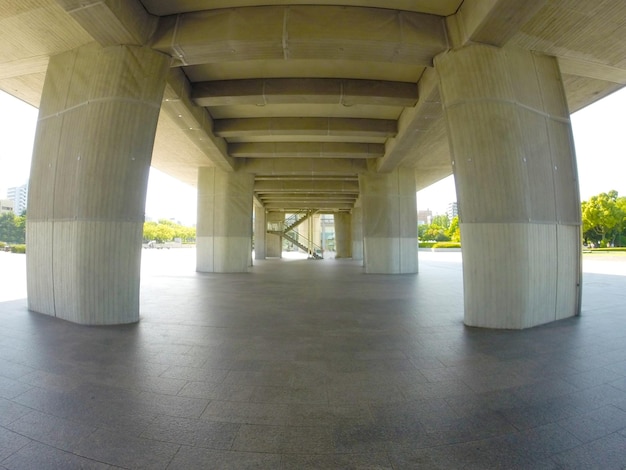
[166, 230]
[441, 229]
[12, 228]
[604, 219]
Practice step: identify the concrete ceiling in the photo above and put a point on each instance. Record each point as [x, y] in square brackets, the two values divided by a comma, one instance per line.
[306, 96]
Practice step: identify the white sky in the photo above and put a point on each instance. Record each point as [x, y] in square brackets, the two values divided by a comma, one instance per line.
[599, 136]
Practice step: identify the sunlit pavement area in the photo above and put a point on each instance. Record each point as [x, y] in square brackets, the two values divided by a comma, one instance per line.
[312, 364]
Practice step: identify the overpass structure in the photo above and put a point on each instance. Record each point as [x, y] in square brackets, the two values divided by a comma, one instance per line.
[342, 106]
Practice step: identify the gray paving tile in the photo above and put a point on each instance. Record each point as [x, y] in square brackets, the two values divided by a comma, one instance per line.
[606, 453]
[195, 374]
[284, 439]
[596, 424]
[191, 457]
[10, 411]
[531, 416]
[593, 378]
[366, 461]
[125, 451]
[192, 432]
[317, 395]
[10, 388]
[11, 442]
[51, 430]
[327, 415]
[171, 405]
[10, 370]
[40, 456]
[217, 391]
[246, 413]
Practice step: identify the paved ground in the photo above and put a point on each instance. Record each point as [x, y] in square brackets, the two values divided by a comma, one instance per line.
[312, 364]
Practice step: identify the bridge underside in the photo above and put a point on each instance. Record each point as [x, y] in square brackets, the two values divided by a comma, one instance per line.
[346, 107]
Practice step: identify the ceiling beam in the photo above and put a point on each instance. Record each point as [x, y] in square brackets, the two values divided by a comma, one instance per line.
[587, 69]
[310, 167]
[20, 67]
[261, 92]
[309, 205]
[492, 22]
[413, 124]
[305, 149]
[312, 199]
[286, 33]
[112, 23]
[194, 121]
[337, 186]
[164, 7]
[313, 126]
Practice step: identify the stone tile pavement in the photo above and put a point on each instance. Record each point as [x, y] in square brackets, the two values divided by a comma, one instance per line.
[313, 364]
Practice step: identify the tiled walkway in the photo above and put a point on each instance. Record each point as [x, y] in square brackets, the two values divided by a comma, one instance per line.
[313, 364]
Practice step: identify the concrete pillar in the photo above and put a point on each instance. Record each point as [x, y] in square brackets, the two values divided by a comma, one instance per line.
[389, 221]
[517, 187]
[89, 174]
[224, 230]
[260, 231]
[357, 231]
[273, 245]
[343, 235]
[315, 229]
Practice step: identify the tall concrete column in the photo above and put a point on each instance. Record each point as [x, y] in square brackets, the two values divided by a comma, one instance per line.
[517, 186]
[224, 230]
[315, 230]
[343, 235]
[260, 231]
[89, 174]
[357, 231]
[273, 245]
[389, 221]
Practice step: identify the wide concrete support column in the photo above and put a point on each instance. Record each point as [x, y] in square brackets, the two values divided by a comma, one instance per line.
[89, 174]
[315, 231]
[389, 221]
[274, 243]
[517, 187]
[343, 235]
[260, 231]
[224, 230]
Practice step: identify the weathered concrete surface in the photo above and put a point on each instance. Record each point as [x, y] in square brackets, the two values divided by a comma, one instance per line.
[516, 180]
[89, 175]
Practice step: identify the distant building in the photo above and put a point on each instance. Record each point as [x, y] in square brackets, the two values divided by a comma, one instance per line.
[6, 205]
[19, 195]
[424, 217]
[453, 210]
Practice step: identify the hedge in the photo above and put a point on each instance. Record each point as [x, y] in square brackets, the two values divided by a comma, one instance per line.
[447, 245]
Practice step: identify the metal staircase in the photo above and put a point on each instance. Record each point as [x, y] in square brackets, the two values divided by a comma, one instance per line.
[286, 230]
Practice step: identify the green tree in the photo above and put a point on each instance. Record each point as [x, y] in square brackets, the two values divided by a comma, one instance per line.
[437, 233]
[12, 228]
[454, 231]
[159, 232]
[166, 230]
[604, 218]
[441, 221]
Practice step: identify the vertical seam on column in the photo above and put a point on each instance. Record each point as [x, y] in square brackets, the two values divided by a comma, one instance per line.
[213, 221]
[547, 118]
[399, 198]
[54, 189]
